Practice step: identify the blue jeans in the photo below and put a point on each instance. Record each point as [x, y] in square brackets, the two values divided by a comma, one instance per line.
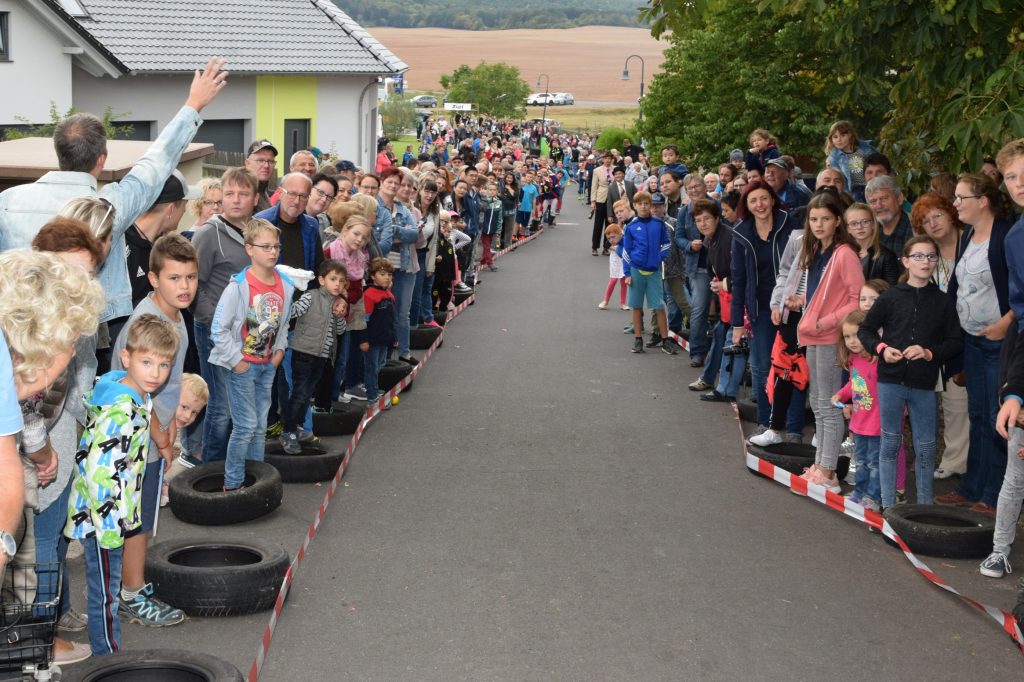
[306, 371]
[404, 285]
[216, 424]
[249, 397]
[52, 548]
[986, 455]
[373, 360]
[868, 449]
[421, 310]
[698, 289]
[923, 408]
[103, 582]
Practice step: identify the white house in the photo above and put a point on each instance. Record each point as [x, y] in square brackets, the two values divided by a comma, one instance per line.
[302, 71]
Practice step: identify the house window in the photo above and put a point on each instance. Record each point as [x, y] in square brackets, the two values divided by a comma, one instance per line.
[5, 45]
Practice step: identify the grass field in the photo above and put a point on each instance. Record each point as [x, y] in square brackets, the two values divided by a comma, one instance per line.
[588, 119]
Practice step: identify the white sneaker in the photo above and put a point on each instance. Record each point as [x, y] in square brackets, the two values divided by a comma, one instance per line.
[814, 440]
[624, 307]
[765, 439]
[603, 305]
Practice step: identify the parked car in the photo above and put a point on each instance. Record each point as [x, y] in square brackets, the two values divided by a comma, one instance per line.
[540, 98]
[424, 101]
[562, 98]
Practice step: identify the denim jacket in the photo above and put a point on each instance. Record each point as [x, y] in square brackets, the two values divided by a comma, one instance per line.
[405, 234]
[26, 208]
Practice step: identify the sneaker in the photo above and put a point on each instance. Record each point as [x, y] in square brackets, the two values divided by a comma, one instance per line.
[147, 610]
[341, 399]
[848, 448]
[953, 499]
[624, 307]
[307, 437]
[410, 360]
[699, 385]
[995, 566]
[73, 621]
[638, 345]
[716, 397]
[769, 437]
[654, 341]
[794, 438]
[432, 323]
[871, 505]
[830, 483]
[814, 441]
[188, 461]
[851, 473]
[941, 474]
[901, 496]
[628, 329]
[983, 508]
[355, 393]
[76, 654]
[669, 347]
[450, 306]
[603, 305]
[855, 498]
[290, 443]
[275, 430]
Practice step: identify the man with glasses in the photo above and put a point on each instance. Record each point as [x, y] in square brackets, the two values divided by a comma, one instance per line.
[301, 248]
[886, 199]
[261, 159]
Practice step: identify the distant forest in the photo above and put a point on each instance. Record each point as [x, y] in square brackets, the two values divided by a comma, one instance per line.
[480, 15]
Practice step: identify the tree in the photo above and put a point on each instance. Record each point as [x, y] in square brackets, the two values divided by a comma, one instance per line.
[397, 115]
[950, 72]
[109, 120]
[494, 89]
[732, 70]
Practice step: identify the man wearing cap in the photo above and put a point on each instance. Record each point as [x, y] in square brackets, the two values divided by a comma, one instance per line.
[776, 174]
[162, 217]
[261, 159]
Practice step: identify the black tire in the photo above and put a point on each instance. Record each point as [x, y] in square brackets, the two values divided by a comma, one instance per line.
[196, 495]
[748, 410]
[795, 457]
[948, 532]
[213, 578]
[391, 373]
[461, 296]
[421, 338]
[159, 665]
[342, 421]
[308, 467]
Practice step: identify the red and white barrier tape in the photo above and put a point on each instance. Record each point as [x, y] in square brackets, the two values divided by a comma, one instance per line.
[372, 412]
[1006, 621]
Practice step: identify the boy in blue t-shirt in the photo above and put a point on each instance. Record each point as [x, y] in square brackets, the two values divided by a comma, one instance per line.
[645, 244]
[528, 194]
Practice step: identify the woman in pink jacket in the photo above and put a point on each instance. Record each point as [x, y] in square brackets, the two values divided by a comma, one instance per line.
[834, 278]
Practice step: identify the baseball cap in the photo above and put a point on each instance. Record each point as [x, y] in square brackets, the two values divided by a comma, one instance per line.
[657, 198]
[259, 145]
[779, 163]
[345, 165]
[177, 188]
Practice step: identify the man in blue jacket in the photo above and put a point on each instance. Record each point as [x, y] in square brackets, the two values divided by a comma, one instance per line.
[645, 244]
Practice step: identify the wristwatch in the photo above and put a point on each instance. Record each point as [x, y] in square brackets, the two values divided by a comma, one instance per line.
[7, 544]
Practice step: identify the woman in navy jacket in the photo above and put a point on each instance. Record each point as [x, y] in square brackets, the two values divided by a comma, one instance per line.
[757, 246]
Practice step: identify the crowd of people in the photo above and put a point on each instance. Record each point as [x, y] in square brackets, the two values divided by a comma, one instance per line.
[842, 294]
[133, 347]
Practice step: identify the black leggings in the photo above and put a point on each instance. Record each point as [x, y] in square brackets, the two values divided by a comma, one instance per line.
[783, 387]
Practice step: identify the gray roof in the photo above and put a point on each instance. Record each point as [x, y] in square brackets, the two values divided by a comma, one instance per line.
[268, 36]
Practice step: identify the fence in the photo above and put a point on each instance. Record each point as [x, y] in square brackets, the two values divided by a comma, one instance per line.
[215, 164]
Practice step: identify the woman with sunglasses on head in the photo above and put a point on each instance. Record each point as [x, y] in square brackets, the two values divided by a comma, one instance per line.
[321, 196]
[980, 287]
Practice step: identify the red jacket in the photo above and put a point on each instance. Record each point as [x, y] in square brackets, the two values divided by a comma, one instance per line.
[836, 296]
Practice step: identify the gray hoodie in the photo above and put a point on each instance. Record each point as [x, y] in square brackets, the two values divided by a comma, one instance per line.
[221, 251]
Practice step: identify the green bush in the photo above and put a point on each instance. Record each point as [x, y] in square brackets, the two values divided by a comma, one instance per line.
[611, 138]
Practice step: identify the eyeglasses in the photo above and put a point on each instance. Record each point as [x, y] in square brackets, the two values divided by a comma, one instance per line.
[263, 162]
[921, 257]
[211, 202]
[962, 197]
[934, 219]
[324, 195]
[297, 195]
[267, 248]
[867, 222]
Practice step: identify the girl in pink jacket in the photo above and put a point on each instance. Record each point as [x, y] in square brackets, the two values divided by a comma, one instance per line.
[861, 393]
[834, 278]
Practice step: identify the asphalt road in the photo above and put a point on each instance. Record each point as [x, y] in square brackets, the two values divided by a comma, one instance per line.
[545, 505]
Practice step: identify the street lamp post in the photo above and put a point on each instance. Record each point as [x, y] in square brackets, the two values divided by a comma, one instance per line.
[625, 77]
[544, 115]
